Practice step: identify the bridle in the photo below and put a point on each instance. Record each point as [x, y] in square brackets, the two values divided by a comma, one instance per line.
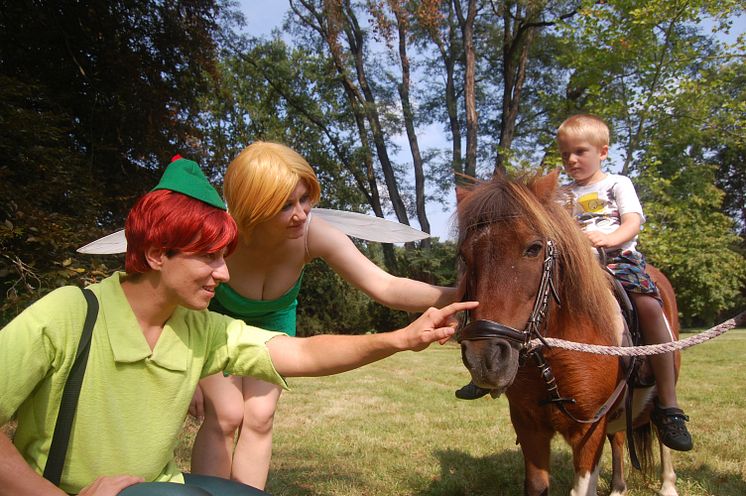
[483, 329]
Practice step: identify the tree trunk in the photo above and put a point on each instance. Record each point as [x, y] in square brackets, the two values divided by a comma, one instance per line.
[402, 23]
[321, 24]
[449, 54]
[519, 30]
[467, 29]
[355, 39]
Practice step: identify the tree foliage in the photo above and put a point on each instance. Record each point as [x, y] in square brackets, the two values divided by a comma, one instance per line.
[95, 98]
[668, 92]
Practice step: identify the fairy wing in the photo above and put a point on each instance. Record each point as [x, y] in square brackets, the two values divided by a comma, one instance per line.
[369, 227]
[361, 226]
[109, 244]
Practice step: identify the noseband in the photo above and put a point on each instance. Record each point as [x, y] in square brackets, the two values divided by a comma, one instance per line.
[482, 329]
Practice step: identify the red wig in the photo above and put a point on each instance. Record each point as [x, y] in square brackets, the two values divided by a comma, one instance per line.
[175, 223]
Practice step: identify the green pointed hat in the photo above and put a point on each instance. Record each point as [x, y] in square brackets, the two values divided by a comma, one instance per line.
[185, 177]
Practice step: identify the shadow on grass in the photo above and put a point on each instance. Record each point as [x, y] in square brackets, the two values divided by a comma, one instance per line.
[500, 474]
[306, 481]
[713, 481]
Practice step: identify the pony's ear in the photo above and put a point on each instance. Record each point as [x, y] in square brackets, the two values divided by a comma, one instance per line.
[464, 186]
[544, 187]
[461, 194]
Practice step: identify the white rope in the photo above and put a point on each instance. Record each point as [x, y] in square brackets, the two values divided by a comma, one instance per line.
[651, 349]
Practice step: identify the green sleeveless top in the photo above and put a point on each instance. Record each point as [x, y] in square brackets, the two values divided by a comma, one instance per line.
[273, 315]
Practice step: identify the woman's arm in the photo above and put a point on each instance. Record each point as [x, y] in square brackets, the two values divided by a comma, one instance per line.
[327, 354]
[331, 244]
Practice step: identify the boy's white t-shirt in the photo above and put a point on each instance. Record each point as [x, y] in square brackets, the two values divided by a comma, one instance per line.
[600, 206]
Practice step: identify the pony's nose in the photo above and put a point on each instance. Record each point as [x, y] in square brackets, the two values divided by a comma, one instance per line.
[489, 359]
[500, 357]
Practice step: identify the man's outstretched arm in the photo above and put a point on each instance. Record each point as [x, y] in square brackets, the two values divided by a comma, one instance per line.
[331, 354]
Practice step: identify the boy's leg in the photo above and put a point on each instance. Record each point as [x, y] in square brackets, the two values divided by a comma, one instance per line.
[668, 417]
[655, 331]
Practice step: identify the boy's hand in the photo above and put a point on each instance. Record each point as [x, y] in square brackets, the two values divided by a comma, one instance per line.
[598, 239]
[434, 325]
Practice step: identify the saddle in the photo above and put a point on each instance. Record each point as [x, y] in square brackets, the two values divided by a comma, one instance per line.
[637, 370]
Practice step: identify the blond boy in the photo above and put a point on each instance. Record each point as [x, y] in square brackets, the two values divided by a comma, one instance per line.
[609, 212]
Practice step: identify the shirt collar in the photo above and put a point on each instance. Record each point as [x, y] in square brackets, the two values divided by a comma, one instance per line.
[127, 342]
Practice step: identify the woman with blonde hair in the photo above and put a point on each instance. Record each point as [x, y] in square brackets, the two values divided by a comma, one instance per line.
[270, 190]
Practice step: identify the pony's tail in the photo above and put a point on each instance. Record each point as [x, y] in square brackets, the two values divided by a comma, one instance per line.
[643, 437]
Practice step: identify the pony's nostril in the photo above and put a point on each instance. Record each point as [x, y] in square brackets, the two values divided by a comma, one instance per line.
[493, 363]
[467, 356]
[500, 357]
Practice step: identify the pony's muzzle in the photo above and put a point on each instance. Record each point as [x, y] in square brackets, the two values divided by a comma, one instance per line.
[493, 363]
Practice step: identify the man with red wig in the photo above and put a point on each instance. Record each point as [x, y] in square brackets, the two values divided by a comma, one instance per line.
[152, 342]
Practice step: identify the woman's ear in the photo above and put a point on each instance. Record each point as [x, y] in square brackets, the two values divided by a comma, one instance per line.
[155, 257]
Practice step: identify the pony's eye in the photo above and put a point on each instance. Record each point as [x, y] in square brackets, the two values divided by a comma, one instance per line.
[533, 250]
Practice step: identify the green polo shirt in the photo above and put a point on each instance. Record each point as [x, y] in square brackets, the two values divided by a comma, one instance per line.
[133, 401]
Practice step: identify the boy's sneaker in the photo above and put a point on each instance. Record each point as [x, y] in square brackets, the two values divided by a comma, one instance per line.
[671, 424]
[471, 392]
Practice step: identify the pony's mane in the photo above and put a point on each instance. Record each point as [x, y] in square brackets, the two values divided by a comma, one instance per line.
[583, 288]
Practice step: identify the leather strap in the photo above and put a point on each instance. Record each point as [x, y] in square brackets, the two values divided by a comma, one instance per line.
[69, 403]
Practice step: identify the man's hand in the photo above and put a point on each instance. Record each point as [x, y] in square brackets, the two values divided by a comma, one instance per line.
[327, 354]
[109, 486]
[197, 406]
[434, 325]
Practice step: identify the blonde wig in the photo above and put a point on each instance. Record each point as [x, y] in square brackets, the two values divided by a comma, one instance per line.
[587, 127]
[260, 179]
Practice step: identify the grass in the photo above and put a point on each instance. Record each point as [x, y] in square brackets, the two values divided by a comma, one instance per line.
[394, 428]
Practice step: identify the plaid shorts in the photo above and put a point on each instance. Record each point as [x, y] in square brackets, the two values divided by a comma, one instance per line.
[629, 269]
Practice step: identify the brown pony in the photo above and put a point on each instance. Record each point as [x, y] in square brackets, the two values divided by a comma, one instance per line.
[533, 271]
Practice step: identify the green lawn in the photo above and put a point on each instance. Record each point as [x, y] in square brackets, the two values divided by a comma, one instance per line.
[394, 428]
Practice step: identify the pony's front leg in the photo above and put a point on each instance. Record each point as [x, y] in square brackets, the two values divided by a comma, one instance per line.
[668, 475]
[536, 446]
[618, 485]
[587, 445]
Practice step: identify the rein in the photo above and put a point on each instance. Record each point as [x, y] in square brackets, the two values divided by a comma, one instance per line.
[483, 329]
